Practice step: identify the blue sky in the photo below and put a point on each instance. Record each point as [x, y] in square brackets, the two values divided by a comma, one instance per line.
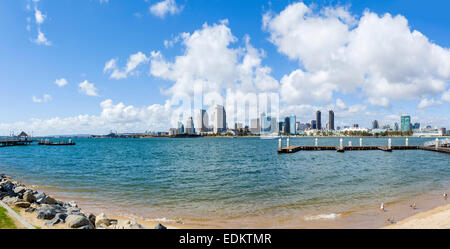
[82, 36]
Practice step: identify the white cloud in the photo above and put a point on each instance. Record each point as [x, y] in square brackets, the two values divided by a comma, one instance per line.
[424, 103]
[133, 62]
[161, 9]
[88, 88]
[41, 39]
[39, 19]
[380, 55]
[210, 61]
[446, 96]
[61, 82]
[45, 98]
[39, 16]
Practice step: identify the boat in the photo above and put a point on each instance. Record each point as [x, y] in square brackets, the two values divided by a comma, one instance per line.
[48, 142]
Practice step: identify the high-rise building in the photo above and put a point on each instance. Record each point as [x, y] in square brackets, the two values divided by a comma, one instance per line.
[202, 124]
[180, 128]
[375, 124]
[396, 128]
[255, 126]
[405, 123]
[267, 125]
[190, 126]
[293, 124]
[313, 124]
[331, 120]
[416, 126]
[287, 125]
[220, 119]
[319, 120]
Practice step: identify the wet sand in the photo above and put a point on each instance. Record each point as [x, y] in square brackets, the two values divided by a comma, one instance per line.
[365, 216]
[438, 218]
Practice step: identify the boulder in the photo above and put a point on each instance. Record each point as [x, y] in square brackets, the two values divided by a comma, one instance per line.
[49, 200]
[77, 221]
[91, 218]
[20, 190]
[22, 204]
[132, 225]
[90, 226]
[29, 197]
[101, 219]
[46, 213]
[7, 186]
[30, 210]
[159, 226]
[74, 210]
[59, 218]
[3, 194]
[10, 200]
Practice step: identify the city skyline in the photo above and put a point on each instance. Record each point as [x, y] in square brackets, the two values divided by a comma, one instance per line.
[127, 67]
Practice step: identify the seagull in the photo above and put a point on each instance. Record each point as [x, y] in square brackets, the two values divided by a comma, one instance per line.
[413, 206]
[382, 206]
[391, 220]
[445, 196]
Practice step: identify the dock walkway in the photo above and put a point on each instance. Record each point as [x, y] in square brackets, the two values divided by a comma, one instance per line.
[293, 149]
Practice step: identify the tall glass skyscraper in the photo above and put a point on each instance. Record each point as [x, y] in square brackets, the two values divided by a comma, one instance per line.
[405, 123]
[319, 120]
[220, 119]
[331, 120]
[293, 124]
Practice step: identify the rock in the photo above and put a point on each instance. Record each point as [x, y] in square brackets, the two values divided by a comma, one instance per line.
[76, 221]
[7, 186]
[101, 219]
[29, 197]
[49, 200]
[91, 218]
[10, 200]
[22, 204]
[40, 197]
[90, 226]
[3, 194]
[159, 226]
[74, 210]
[132, 225]
[30, 210]
[59, 218]
[20, 190]
[46, 213]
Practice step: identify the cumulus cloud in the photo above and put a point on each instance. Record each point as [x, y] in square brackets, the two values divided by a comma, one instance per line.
[161, 9]
[114, 116]
[379, 54]
[446, 96]
[39, 18]
[61, 82]
[210, 61]
[45, 98]
[425, 102]
[133, 62]
[88, 88]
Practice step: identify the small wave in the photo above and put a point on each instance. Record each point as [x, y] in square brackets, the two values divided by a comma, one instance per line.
[322, 217]
[163, 219]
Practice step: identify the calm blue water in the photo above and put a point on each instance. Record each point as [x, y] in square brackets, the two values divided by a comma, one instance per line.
[224, 177]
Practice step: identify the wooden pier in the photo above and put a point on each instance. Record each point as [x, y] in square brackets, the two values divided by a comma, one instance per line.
[293, 149]
[15, 142]
[442, 146]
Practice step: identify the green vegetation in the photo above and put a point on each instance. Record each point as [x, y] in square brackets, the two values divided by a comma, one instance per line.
[5, 221]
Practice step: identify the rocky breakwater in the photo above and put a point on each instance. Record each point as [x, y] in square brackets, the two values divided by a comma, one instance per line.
[54, 211]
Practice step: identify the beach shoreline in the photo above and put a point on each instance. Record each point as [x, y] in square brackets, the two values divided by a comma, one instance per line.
[429, 206]
[360, 217]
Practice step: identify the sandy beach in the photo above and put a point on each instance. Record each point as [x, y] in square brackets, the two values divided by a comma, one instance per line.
[438, 218]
